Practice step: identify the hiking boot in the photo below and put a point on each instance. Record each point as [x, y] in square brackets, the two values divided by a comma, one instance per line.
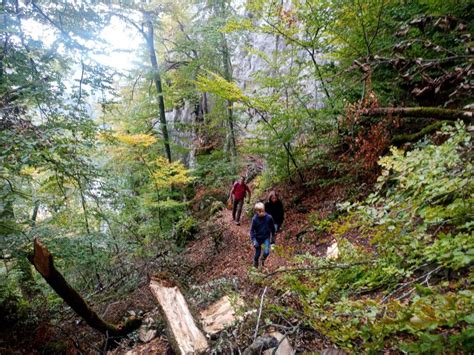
[237, 223]
[255, 264]
[263, 262]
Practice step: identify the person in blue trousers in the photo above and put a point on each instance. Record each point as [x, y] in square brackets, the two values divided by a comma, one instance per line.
[261, 230]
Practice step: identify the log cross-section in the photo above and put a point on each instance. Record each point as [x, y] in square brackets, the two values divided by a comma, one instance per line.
[186, 338]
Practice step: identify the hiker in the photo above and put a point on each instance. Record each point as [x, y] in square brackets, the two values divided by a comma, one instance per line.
[274, 207]
[261, 229]
[237, 195]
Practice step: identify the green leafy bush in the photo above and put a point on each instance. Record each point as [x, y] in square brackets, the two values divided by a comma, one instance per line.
[185, 230]
[412, 256]
[214, 170]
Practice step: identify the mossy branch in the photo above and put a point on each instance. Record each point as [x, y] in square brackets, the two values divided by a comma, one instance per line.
[322, 267]
[412, 137]
[419, 112]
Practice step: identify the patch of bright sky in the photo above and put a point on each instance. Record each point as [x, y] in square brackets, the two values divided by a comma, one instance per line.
[125, 43]
[121, 52]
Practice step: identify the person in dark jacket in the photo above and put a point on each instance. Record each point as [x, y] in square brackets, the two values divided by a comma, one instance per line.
[261, 230]
[274, 207]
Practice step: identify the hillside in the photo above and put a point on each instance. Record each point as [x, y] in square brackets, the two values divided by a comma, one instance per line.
[126, 126]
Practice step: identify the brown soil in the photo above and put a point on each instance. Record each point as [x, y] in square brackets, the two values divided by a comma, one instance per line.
[207, 258]
[233, 256]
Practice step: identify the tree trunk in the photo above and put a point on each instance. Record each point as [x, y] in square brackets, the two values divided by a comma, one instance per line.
[42, 260]
[419, 112]
[157, 81]
[34, 214]
[4, 26]
[230, 110]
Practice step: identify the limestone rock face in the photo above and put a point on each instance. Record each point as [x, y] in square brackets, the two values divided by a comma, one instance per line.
[251, 55]
[181, 121]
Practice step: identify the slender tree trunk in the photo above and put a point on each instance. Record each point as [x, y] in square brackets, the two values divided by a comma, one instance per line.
[157, 81]
[84, 205]
[205, 105]
[34, 214]
[320, 75]
[3, 53]
[230, 111]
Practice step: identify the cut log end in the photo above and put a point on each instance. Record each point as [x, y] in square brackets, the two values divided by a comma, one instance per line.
[41, 258]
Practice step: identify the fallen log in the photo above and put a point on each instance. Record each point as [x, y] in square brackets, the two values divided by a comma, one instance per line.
[412, 137]
[183, 334]
[419, 112]
[42, 260]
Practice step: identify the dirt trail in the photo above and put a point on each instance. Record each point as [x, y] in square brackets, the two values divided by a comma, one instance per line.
[234, 255]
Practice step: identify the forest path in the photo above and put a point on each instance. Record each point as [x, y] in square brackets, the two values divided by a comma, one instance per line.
[231, 255]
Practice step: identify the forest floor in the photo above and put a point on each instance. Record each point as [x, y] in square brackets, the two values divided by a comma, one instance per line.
[232, 255]
[223, 250]
[220, 251]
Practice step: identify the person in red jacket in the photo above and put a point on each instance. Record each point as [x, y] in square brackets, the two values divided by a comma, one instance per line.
[237, 194]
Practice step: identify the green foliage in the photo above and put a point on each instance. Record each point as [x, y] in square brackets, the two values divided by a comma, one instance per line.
[185, 230]
[414, 245]
[101, 199]
[215, 171]
[373, 31]
[11, 306]
[452, 251]
[216, 206]
[48, 177]
[319, 225]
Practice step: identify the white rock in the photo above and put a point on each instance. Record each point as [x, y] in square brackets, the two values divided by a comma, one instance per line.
[283, 349]
[333, 251]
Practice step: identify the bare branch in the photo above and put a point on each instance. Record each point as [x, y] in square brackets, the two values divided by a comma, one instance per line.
[259, 313]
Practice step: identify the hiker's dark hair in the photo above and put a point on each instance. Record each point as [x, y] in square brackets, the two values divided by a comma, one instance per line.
[271, 194]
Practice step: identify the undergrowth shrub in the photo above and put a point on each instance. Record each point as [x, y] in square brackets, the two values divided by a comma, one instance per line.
[214, 170]
[403, 279]
[185, 230]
